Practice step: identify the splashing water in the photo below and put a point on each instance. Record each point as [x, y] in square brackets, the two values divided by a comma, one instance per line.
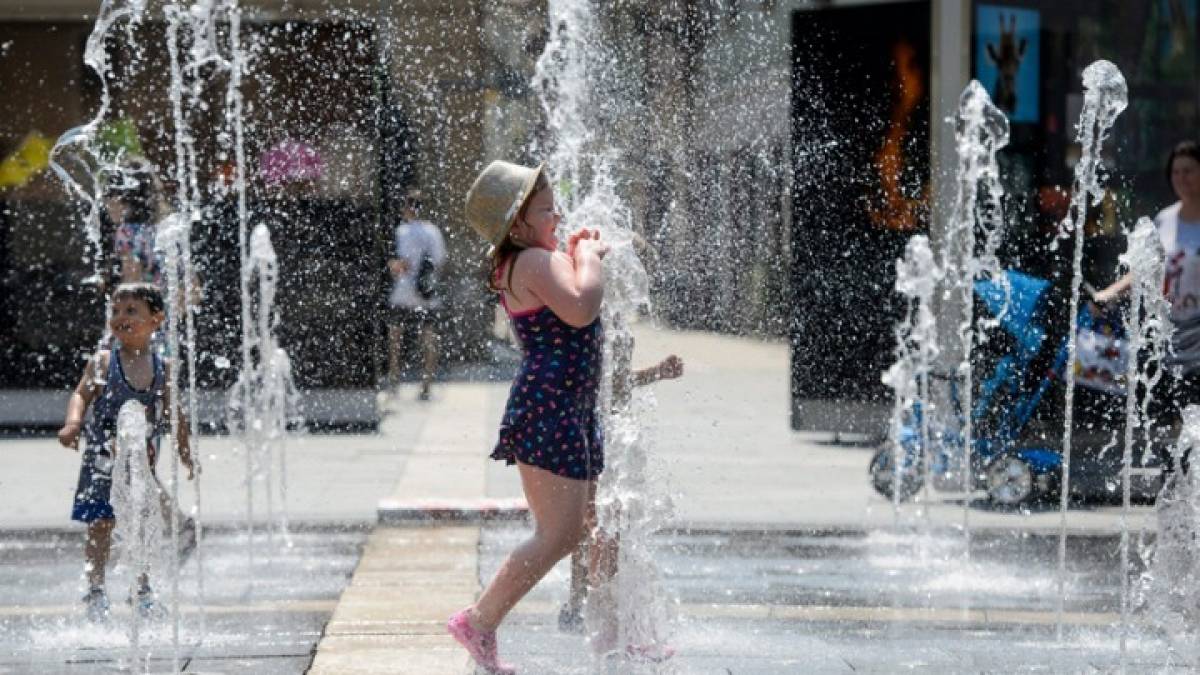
[84, 165]
[1149, 328]
[1168, 588]
[172, 240]
[982, 132]
[76, 157]
[631, 609]
[1105, 96]
[917, 277]
[924, 420]
[138, 532]
[264, 400]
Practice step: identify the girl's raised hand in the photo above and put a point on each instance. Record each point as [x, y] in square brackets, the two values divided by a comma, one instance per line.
[591, 244]
[573, 242]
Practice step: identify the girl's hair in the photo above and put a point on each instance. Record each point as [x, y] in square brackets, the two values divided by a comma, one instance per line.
[138, 188]
[147, 293]
[508, 249]
[1184, 149]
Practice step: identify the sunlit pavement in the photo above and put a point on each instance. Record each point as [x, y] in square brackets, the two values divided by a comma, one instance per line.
[788, 566]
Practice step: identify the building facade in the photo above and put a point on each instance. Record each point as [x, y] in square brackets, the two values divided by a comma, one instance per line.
[774, 154]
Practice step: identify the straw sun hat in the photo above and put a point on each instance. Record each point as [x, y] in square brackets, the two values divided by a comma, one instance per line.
[496, 197]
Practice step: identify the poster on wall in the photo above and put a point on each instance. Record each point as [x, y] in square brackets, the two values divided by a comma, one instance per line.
[1007, 58]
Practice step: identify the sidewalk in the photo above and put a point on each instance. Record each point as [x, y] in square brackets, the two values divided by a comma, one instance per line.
[721, 433]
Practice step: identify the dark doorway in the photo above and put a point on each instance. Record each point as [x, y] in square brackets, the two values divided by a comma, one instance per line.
[860, 115]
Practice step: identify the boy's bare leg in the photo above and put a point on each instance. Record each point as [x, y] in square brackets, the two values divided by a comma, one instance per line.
[601, 561]
[579, 576]
[602, 621]
[600, 548]
[96, 549]
[570, 615]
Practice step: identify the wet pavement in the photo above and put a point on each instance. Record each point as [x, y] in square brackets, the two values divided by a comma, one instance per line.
[746, 602]
[267, 620]
[853, 602]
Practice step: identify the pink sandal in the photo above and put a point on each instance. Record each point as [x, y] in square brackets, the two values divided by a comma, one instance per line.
[481, 645]
[656, 653]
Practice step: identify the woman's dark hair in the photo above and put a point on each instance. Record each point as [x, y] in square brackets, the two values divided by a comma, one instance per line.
[136, 185]
[509, 249]
[1184, 149]
[148, 293]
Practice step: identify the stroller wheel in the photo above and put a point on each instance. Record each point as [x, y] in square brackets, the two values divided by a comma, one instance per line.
[1010, 480]
[883, 473]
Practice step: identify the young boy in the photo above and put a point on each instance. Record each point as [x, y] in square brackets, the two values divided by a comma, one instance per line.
[129, 370]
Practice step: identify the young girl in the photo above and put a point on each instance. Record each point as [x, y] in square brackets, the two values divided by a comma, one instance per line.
[551, 429]
[133, 202]
[130, 370]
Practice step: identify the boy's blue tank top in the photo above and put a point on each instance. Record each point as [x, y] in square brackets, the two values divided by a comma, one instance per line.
[101, 427]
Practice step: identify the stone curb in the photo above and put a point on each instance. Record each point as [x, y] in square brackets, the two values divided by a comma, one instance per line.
[450, 511]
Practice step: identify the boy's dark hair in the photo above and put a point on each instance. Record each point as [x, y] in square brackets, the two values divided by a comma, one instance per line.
[1184, 149]
[143, 291]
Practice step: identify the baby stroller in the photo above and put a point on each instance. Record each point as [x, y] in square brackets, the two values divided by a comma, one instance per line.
[1015, 455]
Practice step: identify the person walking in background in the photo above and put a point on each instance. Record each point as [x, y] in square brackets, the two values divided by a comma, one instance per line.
[131, 370]
[1179, 230]
[551, 429]
[420, 254]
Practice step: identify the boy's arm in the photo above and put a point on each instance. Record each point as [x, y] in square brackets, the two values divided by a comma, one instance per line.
[77, 405]
[183, 432]
[667, 369]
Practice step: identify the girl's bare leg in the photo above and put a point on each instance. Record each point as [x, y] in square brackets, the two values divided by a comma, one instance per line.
[559, 506]
[95, 550]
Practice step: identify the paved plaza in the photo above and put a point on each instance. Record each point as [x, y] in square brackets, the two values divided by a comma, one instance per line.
[781, 558]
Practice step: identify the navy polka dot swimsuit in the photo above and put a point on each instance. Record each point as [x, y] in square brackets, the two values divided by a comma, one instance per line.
[550, 421]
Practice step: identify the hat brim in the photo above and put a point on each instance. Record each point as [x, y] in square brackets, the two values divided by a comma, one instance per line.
[526, 193]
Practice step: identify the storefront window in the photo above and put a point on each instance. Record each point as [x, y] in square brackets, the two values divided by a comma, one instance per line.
[1030, 57]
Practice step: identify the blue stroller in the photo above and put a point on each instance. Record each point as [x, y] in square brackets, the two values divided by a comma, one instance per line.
[1015, 456]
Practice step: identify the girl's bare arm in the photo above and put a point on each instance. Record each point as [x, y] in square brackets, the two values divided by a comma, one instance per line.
[573, 290]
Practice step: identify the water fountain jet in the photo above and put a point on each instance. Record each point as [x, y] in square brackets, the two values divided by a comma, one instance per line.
[1105, 96]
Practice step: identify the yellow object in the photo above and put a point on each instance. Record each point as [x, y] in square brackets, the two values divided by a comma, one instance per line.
[30, 157]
